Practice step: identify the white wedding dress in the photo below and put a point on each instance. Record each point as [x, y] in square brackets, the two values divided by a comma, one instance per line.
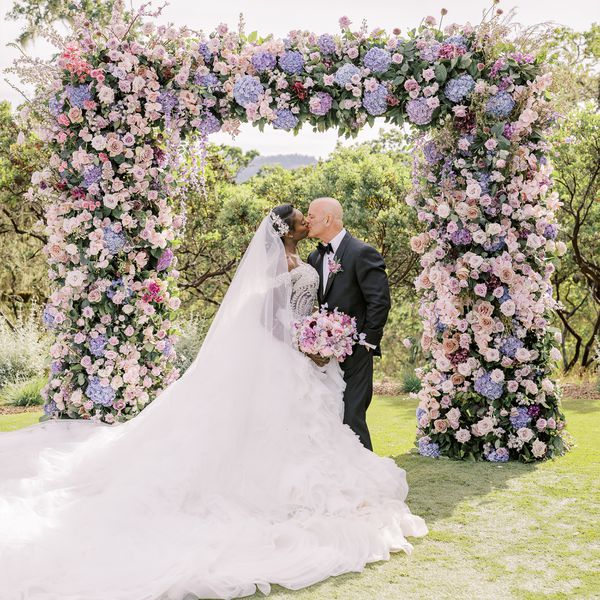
[239, 475]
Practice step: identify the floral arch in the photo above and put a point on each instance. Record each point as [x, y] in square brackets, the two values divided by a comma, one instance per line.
[121, 99]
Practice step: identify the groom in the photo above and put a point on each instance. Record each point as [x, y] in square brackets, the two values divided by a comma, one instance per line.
[353, 280]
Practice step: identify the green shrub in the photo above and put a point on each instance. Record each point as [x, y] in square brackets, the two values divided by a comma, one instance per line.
[24, 393]
[410, 381]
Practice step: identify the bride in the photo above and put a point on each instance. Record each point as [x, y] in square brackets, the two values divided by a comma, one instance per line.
[239, 475]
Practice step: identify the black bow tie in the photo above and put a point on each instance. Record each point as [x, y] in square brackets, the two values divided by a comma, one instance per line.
[324, 248]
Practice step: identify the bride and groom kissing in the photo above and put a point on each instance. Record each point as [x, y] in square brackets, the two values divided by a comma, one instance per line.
[238, 475]
[352, 278]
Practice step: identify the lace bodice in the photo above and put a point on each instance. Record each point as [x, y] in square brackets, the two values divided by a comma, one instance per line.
[305, 285]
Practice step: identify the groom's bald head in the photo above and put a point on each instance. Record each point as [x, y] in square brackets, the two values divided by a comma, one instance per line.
[325, 218]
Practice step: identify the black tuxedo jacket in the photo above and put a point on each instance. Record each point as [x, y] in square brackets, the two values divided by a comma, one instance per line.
[360, 289]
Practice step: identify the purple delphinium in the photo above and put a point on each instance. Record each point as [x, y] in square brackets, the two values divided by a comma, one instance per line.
[78, 94]
[165, 260]
[114, 241]
[378, 60]
[428, 448]
[285, 119]
[56, 366]
[431, 152]
[55, 105]
[345, 73]
[98, 393]
[510, 345]
[210, 80]
[209, 124]
[420, 412]
[320, 104]
[263, 61]
[550, 231]
[488, 388]
[459, 88]
[498, 455]
[50, 408]
[91, 175]
[204, 50]
[431, 52]
[48, 318]
[326, 44]
[292, 62]
[96, 345]
[247, 90]
[521, 419]
[418, 111]
[375, 102]
[500, 106]
[168, 101]
[461, 237]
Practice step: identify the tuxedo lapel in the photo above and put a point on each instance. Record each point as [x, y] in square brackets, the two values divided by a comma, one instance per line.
[319, 268]
[339, 254]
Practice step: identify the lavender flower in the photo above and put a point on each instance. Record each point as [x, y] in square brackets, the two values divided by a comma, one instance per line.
[205, 52]
[457, 40]
[55, 106]
[247, 90]
[459, 88]
[263, 61]
[91, 175]
[209, 81]
[50, 408]
[521, 419]
[165, 260]
[420, 412]
[461, 237]
[418, 111]
[320, 104]
[209, 124]
[378, 60]
[375, 102]
[550, 231]
[78, 94]
[96, 345]
[56, 366]
[292, 62]
[114, 241]
[98, 393]
[345, 73]
[428, 448]
[500, 106]
[48, 318]
[431, 152]
[285, 119]
[488, 388]
[326, 44]
[431, 52]
[498, 455]
[168, 101]
[510, 345]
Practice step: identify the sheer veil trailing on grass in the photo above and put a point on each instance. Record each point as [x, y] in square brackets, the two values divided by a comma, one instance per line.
[240, 474]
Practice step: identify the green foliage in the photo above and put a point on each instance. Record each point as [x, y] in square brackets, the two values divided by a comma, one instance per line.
[410, 381]
[24, 393]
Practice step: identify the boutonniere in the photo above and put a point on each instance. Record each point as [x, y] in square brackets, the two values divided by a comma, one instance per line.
[335, 266]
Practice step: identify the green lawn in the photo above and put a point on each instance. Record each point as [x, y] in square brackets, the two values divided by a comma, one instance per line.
[496, 531]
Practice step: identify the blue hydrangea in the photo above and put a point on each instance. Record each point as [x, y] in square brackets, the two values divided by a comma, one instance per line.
[97, 345]
[375, 102]
[498, 455]
[521, 419]
[484, 181]
[168, 349]
[55, 106]
[378, 60]
[459, 88]
[50, 408]
[168, 101]
[488, 388]
[431, 52]
[292, 62]
[419, 112]
[263, 61]
[285, 119]
[510, 345]
[210, 80]
[420, 412]
[495, 245]
[78, 94]
[500, 106]
[326, 44]
[91, 175]
[550, 231]
[457, 40]
[205, 52]
[114, 241]
[48, 318]
[209, 124]
[345, 73]
[431, 152]
[98, 393]
[247, 90]
[505, 297]
[115, 285]
[56, 366]
[427, 448]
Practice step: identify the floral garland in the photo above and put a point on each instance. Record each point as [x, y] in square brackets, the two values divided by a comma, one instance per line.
[122, 99]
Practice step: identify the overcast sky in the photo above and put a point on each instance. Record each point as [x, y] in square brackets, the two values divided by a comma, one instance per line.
[280, 16]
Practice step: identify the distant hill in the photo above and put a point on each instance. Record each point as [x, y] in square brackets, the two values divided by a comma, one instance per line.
[287, 161]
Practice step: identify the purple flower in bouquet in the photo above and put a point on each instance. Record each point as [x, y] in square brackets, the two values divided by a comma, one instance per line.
[168, 101]
[420, 412]
[50, 408]
[205, 52]
[494, 245]
[521, 58]
[165, 260]
[96, 345]
[209, 124]
[378, 60]
[375, 102]
[285, 119]
[461, 237]
[459, 88]
[498, 455]
[91, 175]
[56, 366]
[98, 393]
[263, 61]
[418, 111]
[500, 106]
[457, 40]
[428, 448]
[78, 94]
[485, 386]
[48, 318]
[210, 80]
[247, 90]
[326, 44]
[320, 104]
[550, 231]
[345, 73]
[510, 345]
[292, 62]
[113, 240]
[431, 152]
[55, 106]
[521, 418]
[168, 349]
[430, 52]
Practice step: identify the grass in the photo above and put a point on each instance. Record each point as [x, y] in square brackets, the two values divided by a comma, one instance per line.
[499, 532]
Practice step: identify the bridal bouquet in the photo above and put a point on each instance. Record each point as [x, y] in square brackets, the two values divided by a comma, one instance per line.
[327, 334]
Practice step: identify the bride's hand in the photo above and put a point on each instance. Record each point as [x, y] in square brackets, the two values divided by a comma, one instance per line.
[318, 360]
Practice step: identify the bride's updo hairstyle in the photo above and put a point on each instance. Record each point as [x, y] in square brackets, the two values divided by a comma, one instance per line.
[283, 219]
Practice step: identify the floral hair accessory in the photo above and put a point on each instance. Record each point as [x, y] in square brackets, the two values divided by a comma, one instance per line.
[281, 227]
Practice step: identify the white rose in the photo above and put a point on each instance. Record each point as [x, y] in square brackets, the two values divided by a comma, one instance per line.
[443, 210]
[524, 434]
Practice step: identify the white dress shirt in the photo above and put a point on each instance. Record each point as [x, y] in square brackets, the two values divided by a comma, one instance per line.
[335, 244]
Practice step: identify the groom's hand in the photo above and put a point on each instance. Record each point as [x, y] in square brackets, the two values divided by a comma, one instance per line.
[318, 360]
